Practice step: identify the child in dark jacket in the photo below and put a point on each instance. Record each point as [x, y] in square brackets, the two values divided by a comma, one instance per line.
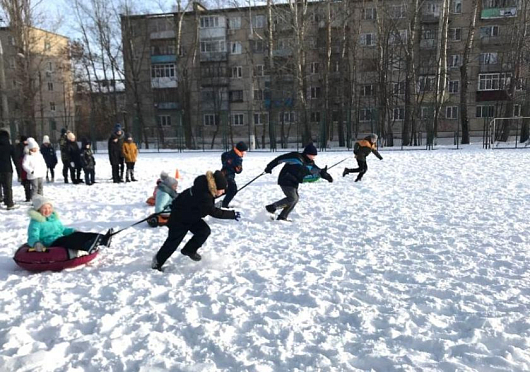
[187, 212]
[298, 168]
[232, 164]
[50, 157]
[7, 155]
[88, 162]
[362, 149]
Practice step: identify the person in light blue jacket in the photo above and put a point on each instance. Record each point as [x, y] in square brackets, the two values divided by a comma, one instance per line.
[166, 191]
[46, 230]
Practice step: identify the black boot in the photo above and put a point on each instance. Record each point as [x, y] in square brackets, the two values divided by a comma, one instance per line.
[194, 256]
[132, 176]
[346, 171]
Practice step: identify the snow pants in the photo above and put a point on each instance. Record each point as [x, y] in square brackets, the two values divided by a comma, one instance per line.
[82, 241]
[231, 191]
[288, 203]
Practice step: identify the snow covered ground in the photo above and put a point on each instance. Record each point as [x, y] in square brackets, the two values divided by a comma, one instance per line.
[422, 266]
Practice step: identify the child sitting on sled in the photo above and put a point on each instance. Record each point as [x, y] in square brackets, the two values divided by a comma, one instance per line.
[46, 230]
[152, 199]
[165, 192]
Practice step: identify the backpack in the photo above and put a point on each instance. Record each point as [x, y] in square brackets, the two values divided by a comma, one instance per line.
[356, 148]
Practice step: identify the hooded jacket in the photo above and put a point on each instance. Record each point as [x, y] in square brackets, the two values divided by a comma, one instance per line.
[45, 229]
[74, 153]
[298, 168]
[197, 202]
[115, 153]
[49, 155]
[365, 147]
[129, 151]
[34, 165]
[87, 156]
[232, 163]
[7, 153]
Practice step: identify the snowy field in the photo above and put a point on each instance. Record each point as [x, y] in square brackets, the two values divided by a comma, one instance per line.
[423, 266]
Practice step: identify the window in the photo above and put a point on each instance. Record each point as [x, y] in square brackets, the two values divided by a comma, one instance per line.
[259, 95]
[366, 114]
[314, 67]
[211, 119]
[398, 113]
[256, 46]
[235, 96]
[495, 81]
[516, 111]
[398, 37]
[398, 11]
[456, 6]
[236, 72]
[398, 88]
[52, 106]
[50, 66]
[47, 46]
[50, 86]
[315, 92]
[335, 66]
[451, 112]
[208, 22]
[426, 112]
[235, 47]
[428, 34]
[369, 13]
[368, 39]
[237, 119]
[286, 117]
[261, 118]
[163, 120]
[315, 117]
[432, 9]
[213, 45]
[455, 34]
[455, 60]
[161, 71]
[259, 70]
[234, 23]
[258, 21]
[489, 31]
[213, 71]
[426, 83]
[367, 90]
[454, 86]
[488, 59]
[485, 111]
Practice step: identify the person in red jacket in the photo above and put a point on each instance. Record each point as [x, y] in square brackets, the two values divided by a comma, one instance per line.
[362, 149]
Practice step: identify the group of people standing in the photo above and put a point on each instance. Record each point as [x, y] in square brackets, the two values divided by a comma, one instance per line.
[122, 151]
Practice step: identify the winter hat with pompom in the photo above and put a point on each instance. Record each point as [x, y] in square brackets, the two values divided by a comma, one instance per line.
[168, 180]
[45, 139]
[32, 144]
[39, 201]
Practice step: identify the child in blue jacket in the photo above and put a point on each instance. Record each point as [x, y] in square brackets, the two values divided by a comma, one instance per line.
[166, 192]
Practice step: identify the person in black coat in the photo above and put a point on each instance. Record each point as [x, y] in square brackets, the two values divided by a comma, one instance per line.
[232, 164]
[298, 168]
[88, 162]
[50, 157]
[187, 212]
[115, 156]
[7, 155]
[20, 152]
[74, 157]
[362, 149]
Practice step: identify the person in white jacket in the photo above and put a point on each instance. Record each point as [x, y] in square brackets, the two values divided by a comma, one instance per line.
[35, 166]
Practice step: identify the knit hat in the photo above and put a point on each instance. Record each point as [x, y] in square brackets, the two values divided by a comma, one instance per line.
[242, 146]
[117, 128]
[23, 138]
[85, 141]
[32, 144]
[373, 137]
[168, 180]
[39, 201]
[70, 136]
[45, 139]
[128, 135]
[310, 149]
[63, 131]
[220, 180]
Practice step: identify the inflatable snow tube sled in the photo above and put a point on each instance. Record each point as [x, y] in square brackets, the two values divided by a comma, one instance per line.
[53, 259]
[151, 201]
[159, 220]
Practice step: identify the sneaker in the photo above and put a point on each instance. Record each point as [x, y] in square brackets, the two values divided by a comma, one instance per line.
[107, 238]
[280, 218]
[270, 208]
[155, 265]
[194, 256]
[95, 244]
[345, 172]
[357, 179]
[14, 206]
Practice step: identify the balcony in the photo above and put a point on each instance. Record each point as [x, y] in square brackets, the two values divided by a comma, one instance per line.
[214, 56]
[491, 67]
[168, 105]
[167, 58]
[492, 95]
[495, 13]
[169, 34]
[428, 43]
[430, 17]
[282, 52]
[163, 82]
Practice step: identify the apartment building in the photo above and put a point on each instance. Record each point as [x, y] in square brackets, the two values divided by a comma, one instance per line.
[330, 73]
[36, 83]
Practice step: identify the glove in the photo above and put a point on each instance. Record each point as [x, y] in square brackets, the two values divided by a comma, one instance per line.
[325, 175]
[268, 170]
[72, 164]
[238, 216]
[39, 247]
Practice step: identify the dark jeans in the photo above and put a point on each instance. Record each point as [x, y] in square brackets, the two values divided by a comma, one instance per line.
[122, 167]
[177, 232]
[75, 174]
[6, 185]
[52, 173]
[82, 241]
[363, 167]
[231, 191]
[65, 172]
[115, 173]
[90, 175]
[27, 189]
[287, 203]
